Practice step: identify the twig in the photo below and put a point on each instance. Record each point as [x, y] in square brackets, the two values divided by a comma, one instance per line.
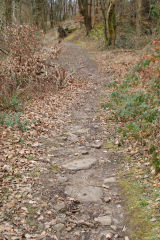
[4, 51]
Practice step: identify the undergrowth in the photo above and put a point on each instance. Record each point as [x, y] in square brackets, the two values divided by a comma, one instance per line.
[28, 69]
[142, 207]
[13, 120]
[126, 35]
[135, 105]
[97, 34]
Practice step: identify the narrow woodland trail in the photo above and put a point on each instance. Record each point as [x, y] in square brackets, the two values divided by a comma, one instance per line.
[82, 188]
[75, 194]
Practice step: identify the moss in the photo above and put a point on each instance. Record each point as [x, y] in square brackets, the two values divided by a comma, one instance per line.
[101, 98]
[138, 205]
[110, 146]
[97, 32]
[71, 36]
[32, 210]
[81, 43]
[128, 158]
[35, 173]
[49, 143]
[30, 158]
[33, 224]
[54, 168]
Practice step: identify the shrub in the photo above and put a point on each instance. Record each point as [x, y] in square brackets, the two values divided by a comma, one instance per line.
[26, 69]
[13, 120]
[136, 105]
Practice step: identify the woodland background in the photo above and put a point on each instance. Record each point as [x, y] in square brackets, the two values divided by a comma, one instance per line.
[34, 88]
[26, 69]
[120, 18]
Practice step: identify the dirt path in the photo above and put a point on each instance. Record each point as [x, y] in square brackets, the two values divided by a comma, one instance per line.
[81, 189]
[76, 192]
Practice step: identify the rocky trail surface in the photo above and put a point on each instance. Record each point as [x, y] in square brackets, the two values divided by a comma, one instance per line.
[83, 189]
[77, 195]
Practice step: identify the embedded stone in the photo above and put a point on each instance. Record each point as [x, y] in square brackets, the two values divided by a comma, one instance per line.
[59, 206]
[97, 145]
[104, 220]
[110, 180]
[80, 164]
[85, 193]
[58, 227]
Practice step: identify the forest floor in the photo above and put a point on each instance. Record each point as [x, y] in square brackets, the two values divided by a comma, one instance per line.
[62, 178]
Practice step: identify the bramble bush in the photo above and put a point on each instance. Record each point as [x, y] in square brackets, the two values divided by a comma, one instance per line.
[27, 70]
[135, 104]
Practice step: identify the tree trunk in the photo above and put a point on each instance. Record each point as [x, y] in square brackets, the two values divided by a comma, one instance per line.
[138, 20]
[85, 10]
[8, 11]
[51, 15]
[88, 24]
[111, 23]
[103, 9]
[17, 11]
[41, 14]
[109, 18]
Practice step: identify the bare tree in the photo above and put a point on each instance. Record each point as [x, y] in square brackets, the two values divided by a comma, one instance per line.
[17, 7]
[109, 17]
[8, 11]
[138, 19]
[41, 14]
[85, 7]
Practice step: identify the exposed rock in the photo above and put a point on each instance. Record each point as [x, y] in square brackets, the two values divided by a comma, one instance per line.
[116, 235]
[61, 218]
[85, 193]
[62, 179]
[41, 226]
[153, 220]
[114, 227]
[80, 164]
[73, 138]
[84, 151]
[78, 129]
[7, 168]
[59, 206]
[106, 235]
[118, 206]
[64, 138]
[68, 229]
[96, 145]
[110, 180]
[58, 227]
[104, 220]
[105, 186]
[109, 236]
[107, 199]
[116, 222]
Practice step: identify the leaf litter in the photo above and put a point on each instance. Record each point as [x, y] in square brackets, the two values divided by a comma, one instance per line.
[22, 159]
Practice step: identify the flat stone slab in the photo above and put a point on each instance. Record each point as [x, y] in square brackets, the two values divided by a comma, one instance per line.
[96, 145]
[58, 227]
[104, 220]
[85, 193]
[110, 180]
[78, 129]
[59, 207]
[73, 138]
[80, 164]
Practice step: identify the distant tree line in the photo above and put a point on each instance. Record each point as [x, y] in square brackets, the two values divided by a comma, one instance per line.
[39, 12]
[48, 13]
[136, 12]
